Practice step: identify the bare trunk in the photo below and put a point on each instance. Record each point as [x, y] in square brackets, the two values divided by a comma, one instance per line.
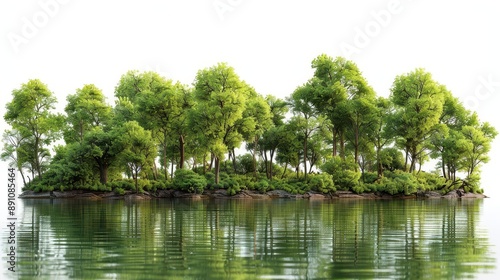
[165, 168]
[217, 170]
[305, 156]
[181, 151]
[256, 139]
[234, 161]
[334, 145]
[103, 173]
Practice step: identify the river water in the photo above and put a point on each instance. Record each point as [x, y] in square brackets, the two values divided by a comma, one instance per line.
[252, 239]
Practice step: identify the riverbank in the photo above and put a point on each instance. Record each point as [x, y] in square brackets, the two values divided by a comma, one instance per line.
[246, 194]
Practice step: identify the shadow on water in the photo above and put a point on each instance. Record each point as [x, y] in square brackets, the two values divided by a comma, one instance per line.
[231, 239]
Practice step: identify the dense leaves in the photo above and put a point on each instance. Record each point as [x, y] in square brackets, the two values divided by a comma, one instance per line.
[332, 133]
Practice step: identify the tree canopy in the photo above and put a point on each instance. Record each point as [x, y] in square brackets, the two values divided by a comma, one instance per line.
[220, 132]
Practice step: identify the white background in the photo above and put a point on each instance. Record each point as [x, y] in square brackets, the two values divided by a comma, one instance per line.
[271, 44]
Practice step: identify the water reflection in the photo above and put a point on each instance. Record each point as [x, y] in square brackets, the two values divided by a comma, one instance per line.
[179, 239]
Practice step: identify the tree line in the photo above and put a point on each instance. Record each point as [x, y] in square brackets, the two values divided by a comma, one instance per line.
[332, 133]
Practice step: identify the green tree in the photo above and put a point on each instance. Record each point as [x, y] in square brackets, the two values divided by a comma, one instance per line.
[275, 135]
[258, 111]
[164, 113]
[380, 137]
[221, 100]
[13, 143]
[305, 117]
[30, 113]
[478, 145]
[139, 149]
[418, 102]
[336, 83]
[85, 110]
[103, 147]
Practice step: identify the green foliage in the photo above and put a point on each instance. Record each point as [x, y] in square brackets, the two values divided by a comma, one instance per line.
[119, 191]
[431, 181]
[369, 177]
[392, 159]
[188, 180]
[400, 182]
[30, 114]
[471, 183]
[418, 101]
[262, 186]
[321, 183]
[343, 172]
[122, 184]
[231, 185]
[156, 120]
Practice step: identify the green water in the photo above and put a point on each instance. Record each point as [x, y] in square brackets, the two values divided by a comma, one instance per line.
[234, 239]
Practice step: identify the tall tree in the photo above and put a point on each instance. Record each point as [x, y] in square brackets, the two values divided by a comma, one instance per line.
[380, 136]
[164, 113]
[478, 145]
[418, 102]
[30, 113]
[305, 117]
[85, 109]
[221, 100]
[12, 151]
[258, 112]
[335, 82]
[139, 149]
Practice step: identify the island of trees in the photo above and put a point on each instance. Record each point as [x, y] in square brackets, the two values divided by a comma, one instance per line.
[332, 133]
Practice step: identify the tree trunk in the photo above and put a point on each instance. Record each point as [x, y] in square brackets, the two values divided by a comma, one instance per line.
[443, 167]
[234, 161]
[342, 146]
[136, 171]
[181, 151]
[334, 145]
[212, 158]
[305, 156]
[256, 139]
[22, 176]
[103, 173]
[284, 170]
[164, 155]
[217, 169]
[271, 156]
[266, 164]
[37, 158]
[356, 146]
[155, 170]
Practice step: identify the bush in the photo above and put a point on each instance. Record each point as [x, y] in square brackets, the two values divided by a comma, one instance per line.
[431, 181]
[321, 183]
[119, 191]
[472, 183]
[262, 186]
[190, 181]
[343, 172]
[369, 177]
[122, 184]
[400, 182]
[231, 185]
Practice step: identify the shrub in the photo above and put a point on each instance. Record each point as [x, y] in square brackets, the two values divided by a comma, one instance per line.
[262, 186]
[122, 184]
[431, 181]
[400, 182]
[343, 172]
[231, 185]
[190, 181]
[369, 177]
[119, 191]
[322, 183]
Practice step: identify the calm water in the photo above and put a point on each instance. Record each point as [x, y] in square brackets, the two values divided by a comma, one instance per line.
[279, 239]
